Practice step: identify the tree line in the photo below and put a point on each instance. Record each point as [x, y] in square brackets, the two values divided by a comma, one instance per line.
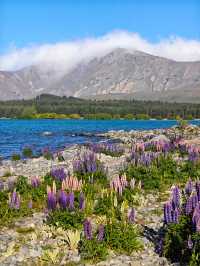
[51, 106]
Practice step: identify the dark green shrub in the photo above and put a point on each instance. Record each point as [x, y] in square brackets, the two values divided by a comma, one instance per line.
[65, 219]
[15, 157]
[122, 237]
[22, 185]
[93, 250]
[27, 152]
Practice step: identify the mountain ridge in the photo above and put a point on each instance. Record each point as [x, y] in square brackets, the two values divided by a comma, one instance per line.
[120, 72]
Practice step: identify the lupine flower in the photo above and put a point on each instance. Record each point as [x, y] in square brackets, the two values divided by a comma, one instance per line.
[131, 215]
[101, 232]
[118, 184]
[194, 199]
[168, 213]
[72, 183]
[30, 204]
[107, 148]
[87, 162]
[59, 174]
[190, 243]
[189, 187]
[196, 217]
[71, 200]
[197, 186]
[198, 226]
[35, 181]
[14, 200]
[159, 247]
[188, 207]
[81, 201]
[62, 199]
[87, 229]
[175, 197]
[175, 216]
[51, 199]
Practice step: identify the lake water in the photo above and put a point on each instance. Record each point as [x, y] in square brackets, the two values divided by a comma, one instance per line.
[57, 134]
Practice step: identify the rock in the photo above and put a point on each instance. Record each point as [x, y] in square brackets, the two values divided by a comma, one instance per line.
[160, 138]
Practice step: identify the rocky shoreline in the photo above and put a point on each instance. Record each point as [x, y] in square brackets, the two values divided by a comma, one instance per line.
[24, 243]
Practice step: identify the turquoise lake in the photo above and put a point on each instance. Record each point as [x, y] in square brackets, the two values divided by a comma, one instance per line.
[58, 134]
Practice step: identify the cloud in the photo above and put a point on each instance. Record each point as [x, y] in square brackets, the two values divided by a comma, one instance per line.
[66, 55]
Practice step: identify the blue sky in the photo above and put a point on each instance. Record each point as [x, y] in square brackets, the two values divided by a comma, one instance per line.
[25, 22]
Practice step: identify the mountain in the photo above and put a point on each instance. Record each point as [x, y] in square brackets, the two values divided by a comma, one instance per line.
[119, 74]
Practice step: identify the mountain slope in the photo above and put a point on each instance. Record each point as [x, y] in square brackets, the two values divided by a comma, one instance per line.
[119, 74]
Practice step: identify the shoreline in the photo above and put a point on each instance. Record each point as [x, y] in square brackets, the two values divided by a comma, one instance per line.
[149, 205]
[23, 166]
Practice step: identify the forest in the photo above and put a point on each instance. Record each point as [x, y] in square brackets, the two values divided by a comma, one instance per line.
[51, 106]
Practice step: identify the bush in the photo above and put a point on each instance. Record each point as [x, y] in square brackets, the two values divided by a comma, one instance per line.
[93, 250]
[122, 237]
[15, 157]
[27, 152]
[65, 219]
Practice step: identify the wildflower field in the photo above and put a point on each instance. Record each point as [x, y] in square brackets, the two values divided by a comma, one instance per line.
[97, 214]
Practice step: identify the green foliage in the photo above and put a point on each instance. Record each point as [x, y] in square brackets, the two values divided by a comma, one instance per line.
[182, 123]
[163, 173]
[104, 206]
[22, 185]
[7, 215]
[142, 116]
[93, 250]
[49, 106]
[28, 112]
[65, 219]
[122, 237]
[175, 242]
[48, 155]
[15, 157]
[27, 152]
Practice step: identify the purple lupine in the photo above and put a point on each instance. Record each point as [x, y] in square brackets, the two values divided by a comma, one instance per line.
[14, 201]
[35, 181]
[188, 187]
[131, 215]
[175, 197]
[87, 229]
[198, 226]
[87, 162]
[189, 242]
[71, 200]
[81, 201]
[194, 199]
[101, 232]
[167, 212]
[51, 200]
[62, 199]
[188, 207]
[196, 216]
[159, 247]
[30, 204]
[197, 186]
[59, 174]
[175, 216]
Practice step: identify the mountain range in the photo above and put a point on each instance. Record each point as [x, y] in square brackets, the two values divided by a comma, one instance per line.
[120, 74]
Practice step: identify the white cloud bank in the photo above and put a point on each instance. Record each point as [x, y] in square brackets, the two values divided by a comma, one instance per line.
[68, 54]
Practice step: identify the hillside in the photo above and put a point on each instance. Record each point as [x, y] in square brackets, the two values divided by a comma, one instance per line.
[121, 74]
